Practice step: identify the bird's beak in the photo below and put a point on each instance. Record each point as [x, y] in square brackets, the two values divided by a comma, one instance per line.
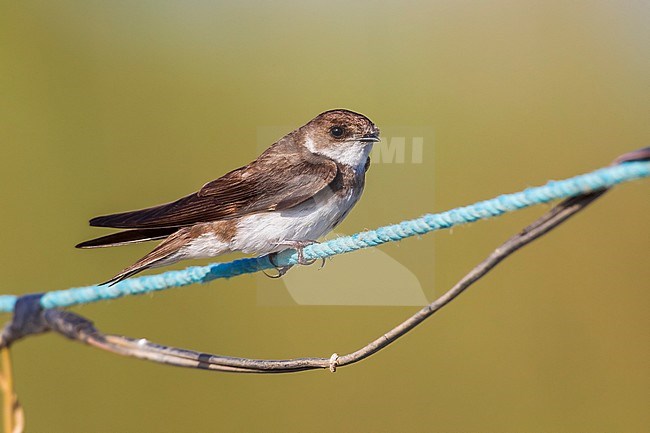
[371, 137]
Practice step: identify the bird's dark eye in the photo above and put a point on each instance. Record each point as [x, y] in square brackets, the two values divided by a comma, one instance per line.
[337, 131]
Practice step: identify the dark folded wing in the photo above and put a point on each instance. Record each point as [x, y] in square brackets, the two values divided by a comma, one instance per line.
[261, 186]
[128, 237]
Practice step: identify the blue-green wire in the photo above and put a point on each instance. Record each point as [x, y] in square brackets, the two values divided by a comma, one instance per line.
[553, 190]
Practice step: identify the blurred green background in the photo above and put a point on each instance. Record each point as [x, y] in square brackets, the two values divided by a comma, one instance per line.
[109, 106]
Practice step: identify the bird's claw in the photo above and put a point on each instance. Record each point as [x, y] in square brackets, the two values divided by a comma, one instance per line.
[299, 246]
[281, 269]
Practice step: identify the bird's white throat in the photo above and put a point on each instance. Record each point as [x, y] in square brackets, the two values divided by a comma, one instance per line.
[353, 154]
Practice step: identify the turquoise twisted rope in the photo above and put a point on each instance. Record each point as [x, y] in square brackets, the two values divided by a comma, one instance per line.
[553, 190]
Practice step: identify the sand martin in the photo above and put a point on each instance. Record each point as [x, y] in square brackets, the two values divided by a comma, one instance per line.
[298, 190]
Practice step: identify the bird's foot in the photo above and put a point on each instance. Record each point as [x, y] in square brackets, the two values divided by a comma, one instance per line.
[281, 269]
[299, 246]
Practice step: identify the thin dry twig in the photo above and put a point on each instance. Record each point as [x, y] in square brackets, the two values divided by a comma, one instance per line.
[81, 329]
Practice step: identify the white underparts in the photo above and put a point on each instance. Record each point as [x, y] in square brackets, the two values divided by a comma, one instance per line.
[268, 232]
[206, 245]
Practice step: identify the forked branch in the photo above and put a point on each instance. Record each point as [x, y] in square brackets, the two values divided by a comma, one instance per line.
[78, 328]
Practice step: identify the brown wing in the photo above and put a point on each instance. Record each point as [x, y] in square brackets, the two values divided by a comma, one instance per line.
[128, 237]
[274, 181]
